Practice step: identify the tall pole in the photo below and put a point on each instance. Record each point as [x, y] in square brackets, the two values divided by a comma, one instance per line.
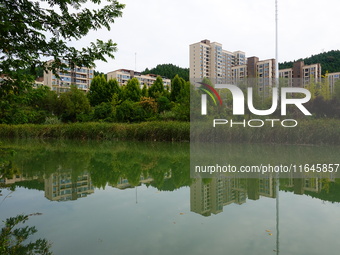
[136, 196]
[136, 61]
[276, 46]
[277, 85]
[277, 214]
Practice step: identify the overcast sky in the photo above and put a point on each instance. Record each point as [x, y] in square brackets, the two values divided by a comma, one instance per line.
[160, 31]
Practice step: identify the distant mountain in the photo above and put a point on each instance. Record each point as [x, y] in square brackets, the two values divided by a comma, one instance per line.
[169, 71]
[330, 61]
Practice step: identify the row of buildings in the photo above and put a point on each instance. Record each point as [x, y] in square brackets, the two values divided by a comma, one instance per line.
[210, 60]
[82, 77]
[211, 198]
[207, 59]
[205, 198]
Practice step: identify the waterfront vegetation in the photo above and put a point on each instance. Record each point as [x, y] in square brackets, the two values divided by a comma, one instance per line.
[13, 239]
[105, 102]
[111, 112]
[320, 131]
[144, 131]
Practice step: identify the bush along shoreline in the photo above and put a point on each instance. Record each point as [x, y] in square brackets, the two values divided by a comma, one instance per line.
[317, 132]
[144, 131]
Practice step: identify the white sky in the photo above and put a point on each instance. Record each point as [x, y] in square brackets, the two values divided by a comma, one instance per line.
[160, 31]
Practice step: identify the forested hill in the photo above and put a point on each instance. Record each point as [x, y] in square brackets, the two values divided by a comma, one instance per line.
[330, 61]
[169, 71]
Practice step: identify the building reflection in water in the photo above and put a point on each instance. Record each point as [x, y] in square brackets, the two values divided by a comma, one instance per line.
[123, 183]
[17, 178]
[62, 187]
[209, 196]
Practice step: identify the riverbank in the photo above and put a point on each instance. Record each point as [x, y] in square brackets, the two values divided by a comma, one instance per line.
[145, 131]
[319, 131]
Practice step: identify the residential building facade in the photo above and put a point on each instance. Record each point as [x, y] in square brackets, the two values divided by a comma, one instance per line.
[286, 77]
[301, 75]
[239, 73]
[332, 79]
[78, 76]
[261, 73]
[208, 59]
[123, 75]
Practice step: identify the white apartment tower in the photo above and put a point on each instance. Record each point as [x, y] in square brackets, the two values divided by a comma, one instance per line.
[78, 76]
[208, 59]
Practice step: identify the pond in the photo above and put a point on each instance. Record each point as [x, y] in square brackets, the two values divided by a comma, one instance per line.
[138, 198]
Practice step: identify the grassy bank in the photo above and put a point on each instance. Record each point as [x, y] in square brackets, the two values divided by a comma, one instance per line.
[321, 131]
[146, 131]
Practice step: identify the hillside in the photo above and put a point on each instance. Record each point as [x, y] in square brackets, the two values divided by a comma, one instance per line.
[330, 61]
[169, 71]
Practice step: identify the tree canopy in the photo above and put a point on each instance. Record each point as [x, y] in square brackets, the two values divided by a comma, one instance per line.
[32, 31]
[157, 87]
[330, 61]
[169, 71]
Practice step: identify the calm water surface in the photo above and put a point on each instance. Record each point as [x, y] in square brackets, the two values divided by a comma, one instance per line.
[138, 198]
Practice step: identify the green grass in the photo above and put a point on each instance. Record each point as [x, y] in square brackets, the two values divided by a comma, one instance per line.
[145, 131]
[319, 131]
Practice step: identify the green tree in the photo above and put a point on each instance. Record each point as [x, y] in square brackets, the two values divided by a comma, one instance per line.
[97, 90]
[145, 92]
[313, 89]
[25, 27]
[33, 106]
[169, 71]
[207, 81]
[324, 87]
[102, 91]
[177, 84]
[336, 93]
[330, 61]
[112, 88]
[12, 239]
[73, 104]
[104, 111]
[157, 88]
[182, 105]
[130, 111]
[132, 90]
[149, 105]
[164, 104]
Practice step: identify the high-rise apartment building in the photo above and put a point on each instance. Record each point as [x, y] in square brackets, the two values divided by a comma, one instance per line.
[261, 73]
[239, 73]
[123, 75]
[301, 75]
[208, 59]
[286, 77]
[78, 76]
